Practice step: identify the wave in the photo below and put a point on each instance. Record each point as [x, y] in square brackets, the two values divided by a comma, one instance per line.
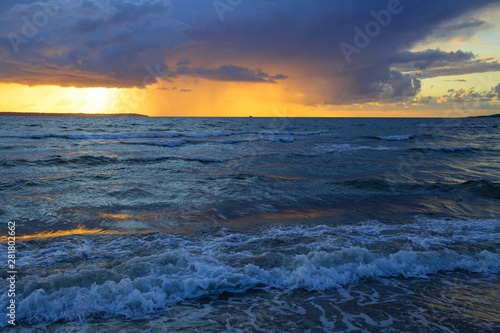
[19, 184]
[482, 188]
[294, 133]
[111, 136]
[169, 143]
[97, 160]
[369, 184]
[199, 140]
[235, 141]
[85, 160]
[207, 160]
[209, 135]
[395, 137]
[193, 135]
[139, 276]
[14, 163]
[345, 147]
[283, 139]
[13, 147]
[445, 149]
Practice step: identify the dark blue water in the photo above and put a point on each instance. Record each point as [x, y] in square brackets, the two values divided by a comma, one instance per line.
[217, 224]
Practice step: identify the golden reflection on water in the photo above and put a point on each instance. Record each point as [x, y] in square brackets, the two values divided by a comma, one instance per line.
[296, 215]
[90, 152]
[71, 232]
[112, 216]
[473, 301]
[51, 197]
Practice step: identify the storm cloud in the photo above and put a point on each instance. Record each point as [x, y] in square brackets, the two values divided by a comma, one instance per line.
[355, 51]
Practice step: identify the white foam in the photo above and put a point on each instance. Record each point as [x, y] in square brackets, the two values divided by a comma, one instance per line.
[137, 276]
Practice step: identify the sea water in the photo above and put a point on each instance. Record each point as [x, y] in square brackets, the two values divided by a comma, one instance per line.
[132, 224]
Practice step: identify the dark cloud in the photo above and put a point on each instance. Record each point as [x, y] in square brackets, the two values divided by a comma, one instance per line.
[227, 73]
[433, 63]
[461, 68]
[183, 63]
[312, 38]
[462, 28]
[138, 42]
[372, 84]
[497, 91]
[425, 59]
[84, 43]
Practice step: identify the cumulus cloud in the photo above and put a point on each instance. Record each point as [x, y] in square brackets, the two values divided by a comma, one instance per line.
[138, 42]
[467, 96]
[422, 100]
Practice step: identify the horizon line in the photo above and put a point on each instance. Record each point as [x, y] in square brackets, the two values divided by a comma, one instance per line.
[128, 114]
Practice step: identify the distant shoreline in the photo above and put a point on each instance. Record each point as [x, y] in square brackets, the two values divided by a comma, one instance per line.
[488, 116]
[43, 114]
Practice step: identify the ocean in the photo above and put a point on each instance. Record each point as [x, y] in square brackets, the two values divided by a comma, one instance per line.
[136, 224]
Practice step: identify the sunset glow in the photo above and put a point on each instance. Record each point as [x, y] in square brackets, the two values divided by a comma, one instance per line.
[214, 66]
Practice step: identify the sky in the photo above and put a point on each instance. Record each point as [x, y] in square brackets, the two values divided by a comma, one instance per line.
[273, 58]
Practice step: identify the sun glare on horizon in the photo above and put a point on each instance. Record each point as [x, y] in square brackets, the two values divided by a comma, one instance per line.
[56, 99]
[93, 100]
